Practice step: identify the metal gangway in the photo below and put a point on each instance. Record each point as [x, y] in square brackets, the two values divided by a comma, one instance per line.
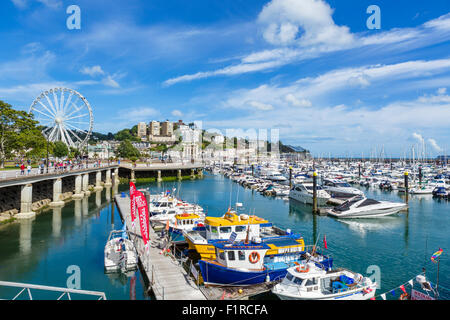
[64, 291]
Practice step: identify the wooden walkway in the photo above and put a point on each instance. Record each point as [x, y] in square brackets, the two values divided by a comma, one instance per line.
[167, 278]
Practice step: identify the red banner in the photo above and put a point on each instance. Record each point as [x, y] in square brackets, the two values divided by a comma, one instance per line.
[142, 208]
[133, 201]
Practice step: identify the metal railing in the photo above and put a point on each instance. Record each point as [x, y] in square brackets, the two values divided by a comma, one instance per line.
[63, 291]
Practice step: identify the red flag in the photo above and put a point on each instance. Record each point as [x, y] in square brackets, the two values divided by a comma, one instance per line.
[325, 242]
[403, 288]
[133, 191]
[142, 208]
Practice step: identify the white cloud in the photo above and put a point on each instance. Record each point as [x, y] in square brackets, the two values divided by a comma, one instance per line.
[260, 106]
[297, 102]
[434, 145]
[283, 20]
[418, 137]
[53, 4]
[441, 23]
[177, 113]
[21, 4]
[110, 82]
[442, 91]
[93, 71]
[304, 29]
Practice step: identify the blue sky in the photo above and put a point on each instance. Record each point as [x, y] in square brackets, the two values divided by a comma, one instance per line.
[308, 68]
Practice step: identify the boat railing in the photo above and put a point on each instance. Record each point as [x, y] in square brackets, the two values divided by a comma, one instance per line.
[64, 291]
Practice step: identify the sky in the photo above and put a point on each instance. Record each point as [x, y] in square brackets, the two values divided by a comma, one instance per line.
[309, 71]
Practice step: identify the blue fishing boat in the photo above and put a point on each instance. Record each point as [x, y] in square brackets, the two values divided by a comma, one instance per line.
[248, 263]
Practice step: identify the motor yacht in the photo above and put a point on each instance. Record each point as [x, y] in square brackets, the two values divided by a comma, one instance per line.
[340, 189]
[362, 207]
[303, 192]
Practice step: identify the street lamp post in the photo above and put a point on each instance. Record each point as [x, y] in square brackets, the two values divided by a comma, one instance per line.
[46, 163]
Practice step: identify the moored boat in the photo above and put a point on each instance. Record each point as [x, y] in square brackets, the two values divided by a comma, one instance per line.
[308, 282]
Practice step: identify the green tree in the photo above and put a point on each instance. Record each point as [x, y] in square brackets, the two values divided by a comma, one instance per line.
[19, 134]
[125, 134]
[127, 150]
[60, 149]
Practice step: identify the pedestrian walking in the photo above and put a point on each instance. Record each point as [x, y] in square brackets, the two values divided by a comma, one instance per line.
[22, 169]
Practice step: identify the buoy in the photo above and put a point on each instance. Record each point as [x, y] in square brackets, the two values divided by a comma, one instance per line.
[240, 291]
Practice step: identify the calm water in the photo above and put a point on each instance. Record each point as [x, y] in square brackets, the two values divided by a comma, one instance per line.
[40, 252]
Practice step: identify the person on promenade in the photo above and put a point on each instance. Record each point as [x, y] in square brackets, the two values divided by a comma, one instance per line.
[28, 169]
[22, 169]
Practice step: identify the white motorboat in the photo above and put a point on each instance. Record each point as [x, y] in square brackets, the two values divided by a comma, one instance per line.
[339, 188]
[309, 282]
[303, 192]
[424, 189]
[362, 207]
[276, 176]
[120, 254]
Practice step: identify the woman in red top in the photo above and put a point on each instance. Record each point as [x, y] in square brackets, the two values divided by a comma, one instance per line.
[22, 169]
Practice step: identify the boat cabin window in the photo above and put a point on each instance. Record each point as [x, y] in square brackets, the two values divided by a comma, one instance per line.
[312, 284]
[225, 229]
[298, 281]
[240, 228]
[289, 276]
[221, 255]
[231, 255]
[213, 229]
[241, 255]
[368, 202]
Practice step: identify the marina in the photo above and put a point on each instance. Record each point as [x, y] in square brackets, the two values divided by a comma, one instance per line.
[400, 242]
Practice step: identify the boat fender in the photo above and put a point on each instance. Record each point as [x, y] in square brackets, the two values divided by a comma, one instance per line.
[254, 257]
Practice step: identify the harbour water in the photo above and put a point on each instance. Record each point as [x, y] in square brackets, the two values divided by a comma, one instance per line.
[40, 252]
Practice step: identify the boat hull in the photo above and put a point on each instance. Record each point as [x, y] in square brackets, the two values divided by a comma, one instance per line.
[216, 274]
[357, 295]
[368, 214]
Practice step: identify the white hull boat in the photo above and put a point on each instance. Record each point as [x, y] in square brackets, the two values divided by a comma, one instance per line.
[308, 282]
[303, 192]
[361, 207]
[120, 254]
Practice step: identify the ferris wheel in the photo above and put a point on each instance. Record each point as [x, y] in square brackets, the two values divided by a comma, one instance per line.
[66, 116]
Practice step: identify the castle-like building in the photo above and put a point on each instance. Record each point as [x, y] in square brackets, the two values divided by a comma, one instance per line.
[157, 132]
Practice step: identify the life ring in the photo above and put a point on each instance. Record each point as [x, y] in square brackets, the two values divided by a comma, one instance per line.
[185, 214]
[302, 269]
[254, 257]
